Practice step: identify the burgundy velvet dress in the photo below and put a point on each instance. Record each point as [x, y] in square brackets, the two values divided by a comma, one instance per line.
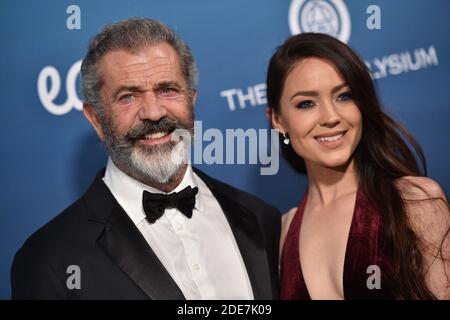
[364, 248]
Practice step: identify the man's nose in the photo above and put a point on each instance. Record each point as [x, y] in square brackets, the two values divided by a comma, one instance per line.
[152, 108]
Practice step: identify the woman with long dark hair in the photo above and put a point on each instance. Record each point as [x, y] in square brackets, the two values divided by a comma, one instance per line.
[371, 225]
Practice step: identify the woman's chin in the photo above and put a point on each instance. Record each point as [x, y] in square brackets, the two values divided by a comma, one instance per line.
[337, 163]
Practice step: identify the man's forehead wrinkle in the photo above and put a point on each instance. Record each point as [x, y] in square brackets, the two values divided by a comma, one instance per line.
[143, 66]
[143, 61]
[145, 69]
[120, 60]
[146, 76]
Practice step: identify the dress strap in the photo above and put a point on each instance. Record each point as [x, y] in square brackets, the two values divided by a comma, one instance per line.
[293, 286]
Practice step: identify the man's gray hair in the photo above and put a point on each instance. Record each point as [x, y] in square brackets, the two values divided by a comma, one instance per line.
[133, 35]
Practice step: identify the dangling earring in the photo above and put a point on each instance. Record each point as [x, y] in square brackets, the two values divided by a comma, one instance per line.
[286, 139]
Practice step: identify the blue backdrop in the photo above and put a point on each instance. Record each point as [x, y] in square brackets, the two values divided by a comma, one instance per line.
[50, 154]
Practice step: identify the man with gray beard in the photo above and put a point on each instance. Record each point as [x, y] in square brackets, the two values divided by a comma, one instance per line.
[150, 226]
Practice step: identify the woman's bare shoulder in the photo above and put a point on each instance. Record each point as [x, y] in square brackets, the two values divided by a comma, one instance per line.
[428, 211]
[425, 203]
[419, 188]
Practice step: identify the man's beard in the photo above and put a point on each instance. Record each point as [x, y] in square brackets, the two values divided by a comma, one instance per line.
[150, 163]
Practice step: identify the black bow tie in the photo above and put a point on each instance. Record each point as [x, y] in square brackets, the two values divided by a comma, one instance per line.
[155, 203]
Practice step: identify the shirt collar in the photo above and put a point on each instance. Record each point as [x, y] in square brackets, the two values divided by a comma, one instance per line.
[128, 191]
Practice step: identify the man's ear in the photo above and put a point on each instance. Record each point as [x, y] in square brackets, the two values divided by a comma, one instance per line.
[275, 120]
[194, 97]
[91, 116]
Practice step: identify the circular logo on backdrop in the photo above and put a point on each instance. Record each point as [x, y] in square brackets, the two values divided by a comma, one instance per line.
[322, 16]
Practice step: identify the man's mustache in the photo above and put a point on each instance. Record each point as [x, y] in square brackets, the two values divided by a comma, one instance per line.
[149, 127]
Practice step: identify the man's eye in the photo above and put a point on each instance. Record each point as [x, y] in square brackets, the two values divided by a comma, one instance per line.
[305, 104]
[168, 91]
[346, 96]
[126, 98]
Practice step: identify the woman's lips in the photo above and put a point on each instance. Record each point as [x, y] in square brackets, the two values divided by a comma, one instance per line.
[331, 140]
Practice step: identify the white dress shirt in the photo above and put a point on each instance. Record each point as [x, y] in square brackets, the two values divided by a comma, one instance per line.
[200, 254]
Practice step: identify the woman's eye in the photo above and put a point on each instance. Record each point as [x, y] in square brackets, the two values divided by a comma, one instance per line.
[346, 96]
[305, 104]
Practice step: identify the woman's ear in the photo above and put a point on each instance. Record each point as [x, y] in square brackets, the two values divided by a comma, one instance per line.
[275, 120]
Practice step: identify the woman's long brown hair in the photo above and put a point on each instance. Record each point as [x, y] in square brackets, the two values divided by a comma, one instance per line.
[386, 152]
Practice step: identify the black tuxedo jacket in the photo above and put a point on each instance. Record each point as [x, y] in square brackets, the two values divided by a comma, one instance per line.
[115, 260]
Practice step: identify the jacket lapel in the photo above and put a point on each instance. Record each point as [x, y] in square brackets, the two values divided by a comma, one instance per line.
[125, 245]
[244, 226]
